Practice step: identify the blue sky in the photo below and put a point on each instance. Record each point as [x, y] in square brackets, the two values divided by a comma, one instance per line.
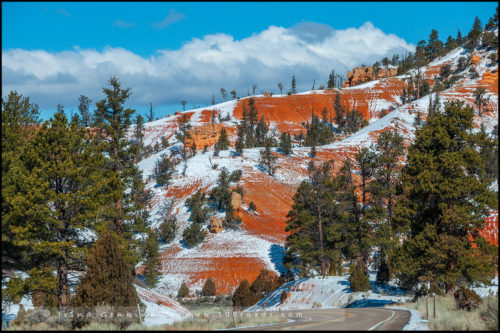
[167, 52]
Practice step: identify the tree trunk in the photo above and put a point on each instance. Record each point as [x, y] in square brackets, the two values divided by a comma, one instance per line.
[322, 256]
[62, 273]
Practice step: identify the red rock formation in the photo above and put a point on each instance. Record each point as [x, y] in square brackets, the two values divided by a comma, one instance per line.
[205, 135]
[235, 201]
[361, 75]
[216, 224]
[475, 59]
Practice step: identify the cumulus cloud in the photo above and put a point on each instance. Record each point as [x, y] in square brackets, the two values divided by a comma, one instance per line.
[172, 17]
[200, 67]
[123, 24]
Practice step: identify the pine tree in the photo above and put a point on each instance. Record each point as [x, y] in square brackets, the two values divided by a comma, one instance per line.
[445, 201]
[83, 108]
[193, 235]
[264, 283]
[209, 288]
[294, 84]
[339, 113]
[182, 132]
[106, 266]
[139, 136]
[268, 159]
[243, 297]
[481, 99]
[475, 34]
[221, 194]
[358, 279]
[164, 170]
[223, 142]
[60, 191]
[286, 143]
[231, 221]
[20, 119]
[252, 206]
[183, 290]
[331, 80]
[128, 214]
[314, 239]
[261, 132]
[151, 255]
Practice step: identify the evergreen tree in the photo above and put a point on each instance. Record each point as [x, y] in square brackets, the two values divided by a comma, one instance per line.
[183, 290]
[151, 256]
[294, 84]
[459, 38]
[221, 194]
[223, 142]
[268, 159]
[223, 93]
[83, 108]
[434, 47]
[481, 99]
[182, 132]
[264, 283]
[314, 239]
[261, 132]
[358, 279]
[193, 235]
[383, 188]
[286, 143]
[243, 297]
[209, 288]
[280, 87]
[164, 170]
[20, 119]
[106, 267]
[475, 34]
[61, 186]
[451, 44]
[231, 221]
[445, 202]
[128, 214]
[331, 80]
[139, 136]
[366, 162]
[339, 113]
[252, 206]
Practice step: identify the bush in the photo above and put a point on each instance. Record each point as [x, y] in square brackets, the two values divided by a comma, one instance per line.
[235, 176]
[264, 283]
[252, 206]
[193, 235]
[166, 231]
[467, 299]
[243, 297]
[209, 288]
[163, 170]
[284, 296]
[358, 279]
[183, 290]
[488, 311]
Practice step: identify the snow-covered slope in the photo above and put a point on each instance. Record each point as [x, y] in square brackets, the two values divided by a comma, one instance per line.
[231, 256]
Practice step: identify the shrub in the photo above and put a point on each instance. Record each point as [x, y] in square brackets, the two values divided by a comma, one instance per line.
[252, 206]
[163, 170]
[284, 296]
[166, 231]
[316, 305]
[193, 235]
[488, 311]
[183, 290]
[358, 279]
[466, 298]
[243, 297]
[235, 176]
[264, 283]
[209, 288]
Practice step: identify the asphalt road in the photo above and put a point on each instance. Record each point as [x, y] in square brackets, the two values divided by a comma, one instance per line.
[378, 319]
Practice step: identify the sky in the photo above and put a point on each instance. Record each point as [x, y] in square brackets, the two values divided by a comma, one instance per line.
[166, 52]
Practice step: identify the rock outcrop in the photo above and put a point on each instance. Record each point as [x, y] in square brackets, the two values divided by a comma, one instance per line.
[216, 224]
[361, 75]
[236, 201]
[205, 135]
[475, 59]
[489, 77]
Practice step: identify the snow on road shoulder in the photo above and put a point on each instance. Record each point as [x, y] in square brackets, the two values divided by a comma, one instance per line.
[416, 322]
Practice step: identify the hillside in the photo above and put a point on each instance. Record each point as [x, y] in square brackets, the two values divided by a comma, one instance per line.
[231, 256]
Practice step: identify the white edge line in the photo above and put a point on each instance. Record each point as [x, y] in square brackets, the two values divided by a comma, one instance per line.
[377, 325]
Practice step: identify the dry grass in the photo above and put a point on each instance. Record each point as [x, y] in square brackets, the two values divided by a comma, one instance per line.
[449, 317]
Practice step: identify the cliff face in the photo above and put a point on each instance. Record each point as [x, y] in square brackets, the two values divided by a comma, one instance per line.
[205, 135]
[361, 75]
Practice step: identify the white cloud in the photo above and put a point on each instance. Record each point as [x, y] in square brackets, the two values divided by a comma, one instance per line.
[201, 67]
[123, 24]
[172, 17]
